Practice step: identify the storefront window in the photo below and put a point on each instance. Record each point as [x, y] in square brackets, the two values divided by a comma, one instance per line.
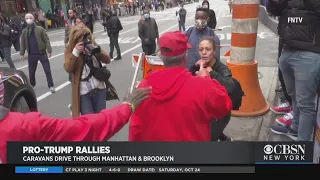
[45, 5]
[21, 6]
[8, 7]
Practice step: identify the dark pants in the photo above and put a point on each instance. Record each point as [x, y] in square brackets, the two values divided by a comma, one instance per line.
[217, 127]
[33, 64]
[2, 56]
[114, 44]
[16, 44]
[182, 26]
[6, 52]
[93, 102]
[91, 28]
[149, 49]
[284, 89]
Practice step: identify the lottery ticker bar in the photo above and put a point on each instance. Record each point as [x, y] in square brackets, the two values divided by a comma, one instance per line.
[132, 169]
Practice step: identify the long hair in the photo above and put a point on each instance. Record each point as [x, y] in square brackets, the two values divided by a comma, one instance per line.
[76, 36]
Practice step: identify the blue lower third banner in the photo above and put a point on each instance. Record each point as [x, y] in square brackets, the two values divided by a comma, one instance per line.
[172, 153]
[39, 169]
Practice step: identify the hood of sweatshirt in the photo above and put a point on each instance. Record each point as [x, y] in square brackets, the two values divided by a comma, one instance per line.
[206, 2]
[167, 83]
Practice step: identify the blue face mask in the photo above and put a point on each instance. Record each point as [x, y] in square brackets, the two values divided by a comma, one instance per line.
[146, 16]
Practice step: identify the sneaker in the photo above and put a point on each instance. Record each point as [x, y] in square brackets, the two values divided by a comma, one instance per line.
[118, 58]
[286, 120]
[224, 137]
[227, 139]
[283, 108]
[52, 90]
[283, 130]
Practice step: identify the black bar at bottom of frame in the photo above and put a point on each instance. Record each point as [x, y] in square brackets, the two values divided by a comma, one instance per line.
[288, 169]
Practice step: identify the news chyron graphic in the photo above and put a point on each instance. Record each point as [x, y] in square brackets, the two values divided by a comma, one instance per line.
[128, 153]
[286, 153]
[112, 153]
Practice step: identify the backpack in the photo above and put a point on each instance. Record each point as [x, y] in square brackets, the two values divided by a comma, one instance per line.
[236, 95]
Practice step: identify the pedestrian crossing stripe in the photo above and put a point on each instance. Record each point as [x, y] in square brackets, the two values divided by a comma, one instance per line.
[100, 41]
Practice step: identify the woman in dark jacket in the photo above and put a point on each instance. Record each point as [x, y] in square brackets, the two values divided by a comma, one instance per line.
[220, 72]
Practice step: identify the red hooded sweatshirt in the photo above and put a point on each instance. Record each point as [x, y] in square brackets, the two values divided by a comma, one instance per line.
[180, 108]
[35, 127]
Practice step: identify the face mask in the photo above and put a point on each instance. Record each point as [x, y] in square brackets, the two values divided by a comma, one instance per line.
[29, 21]
[205, 6]
[146, 16]
[200, 23]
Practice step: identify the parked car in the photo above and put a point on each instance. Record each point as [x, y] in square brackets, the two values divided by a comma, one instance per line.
[19, 95]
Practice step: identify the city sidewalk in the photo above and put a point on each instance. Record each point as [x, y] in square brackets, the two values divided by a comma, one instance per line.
[257, 128]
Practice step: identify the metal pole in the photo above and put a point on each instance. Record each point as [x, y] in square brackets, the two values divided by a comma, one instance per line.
[139, 63]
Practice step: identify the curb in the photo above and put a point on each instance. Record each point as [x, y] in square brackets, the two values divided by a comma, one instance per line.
[273, 97]
[268, 119]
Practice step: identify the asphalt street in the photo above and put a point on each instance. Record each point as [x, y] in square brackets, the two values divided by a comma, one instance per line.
[122, 71]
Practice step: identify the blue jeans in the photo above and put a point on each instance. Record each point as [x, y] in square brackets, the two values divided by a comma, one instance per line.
[93, 102]
[301, 73]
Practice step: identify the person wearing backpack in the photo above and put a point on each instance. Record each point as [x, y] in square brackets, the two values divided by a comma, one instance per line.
[114, 26]
[195, 33]
[89, 92]
[221, 73]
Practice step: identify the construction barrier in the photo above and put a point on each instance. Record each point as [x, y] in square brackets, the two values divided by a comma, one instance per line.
[148, 64]
[242, 61]
[151, 63]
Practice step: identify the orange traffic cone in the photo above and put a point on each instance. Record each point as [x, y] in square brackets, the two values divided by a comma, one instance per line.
[242, 61]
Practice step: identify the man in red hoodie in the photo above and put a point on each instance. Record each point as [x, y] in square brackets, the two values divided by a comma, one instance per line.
[181, 105]
[15, 126]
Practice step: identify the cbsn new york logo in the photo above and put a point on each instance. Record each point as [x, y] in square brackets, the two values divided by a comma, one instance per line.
[284, 152]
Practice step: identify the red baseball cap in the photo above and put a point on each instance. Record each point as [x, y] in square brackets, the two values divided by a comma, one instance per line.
[176, 42]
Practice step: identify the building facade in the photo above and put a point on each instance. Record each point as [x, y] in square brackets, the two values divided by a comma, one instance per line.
[10, 7]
